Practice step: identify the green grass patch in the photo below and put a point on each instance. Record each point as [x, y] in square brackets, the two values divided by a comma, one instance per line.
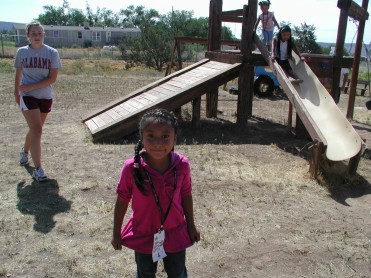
[6, 66]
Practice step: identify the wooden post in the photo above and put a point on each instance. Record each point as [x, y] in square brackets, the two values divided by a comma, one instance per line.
[355, 69]
[289, 120]
[169, 67]
[214, 43]
[179, 55]
[317, 151]
[246, 78]
[344, 6]
[196, 111]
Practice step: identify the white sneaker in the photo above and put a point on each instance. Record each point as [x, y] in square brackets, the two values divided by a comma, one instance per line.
[39, 175]
[24, 158]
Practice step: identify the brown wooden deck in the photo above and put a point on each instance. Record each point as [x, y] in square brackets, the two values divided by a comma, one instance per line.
[121, 117]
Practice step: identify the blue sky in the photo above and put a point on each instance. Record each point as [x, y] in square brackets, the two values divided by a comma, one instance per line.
[323, 14]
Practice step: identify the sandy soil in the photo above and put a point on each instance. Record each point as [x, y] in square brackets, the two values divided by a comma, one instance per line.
[259, 212]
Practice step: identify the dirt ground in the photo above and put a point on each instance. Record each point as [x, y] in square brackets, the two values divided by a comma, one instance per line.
[259, 212]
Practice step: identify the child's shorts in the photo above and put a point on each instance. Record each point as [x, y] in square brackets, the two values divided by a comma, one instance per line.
[29, 103]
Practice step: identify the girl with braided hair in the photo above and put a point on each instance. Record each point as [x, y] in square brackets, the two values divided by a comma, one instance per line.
[157, 181]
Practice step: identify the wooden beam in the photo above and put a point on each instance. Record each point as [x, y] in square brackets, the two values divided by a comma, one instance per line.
[356, 62]
[196, 111]
[340, 41]
[238, 12]
[232, 19]
[224, 57]
[315, 164]
[246, 77]
[357, 12]
[214, 43]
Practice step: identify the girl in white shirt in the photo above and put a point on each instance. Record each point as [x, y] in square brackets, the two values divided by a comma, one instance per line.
[283, 46]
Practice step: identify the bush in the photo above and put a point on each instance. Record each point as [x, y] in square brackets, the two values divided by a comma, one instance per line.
[88, 44]
[6, 66]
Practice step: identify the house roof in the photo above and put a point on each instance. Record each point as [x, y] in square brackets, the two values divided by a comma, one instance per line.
[79, 28]
[8, 26]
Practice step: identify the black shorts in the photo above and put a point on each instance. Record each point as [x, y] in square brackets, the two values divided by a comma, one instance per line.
[29, 103]
[285, 64]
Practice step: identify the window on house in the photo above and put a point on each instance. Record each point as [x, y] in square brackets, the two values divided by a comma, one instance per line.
[96, 36]
[79, 35]
[55, 34]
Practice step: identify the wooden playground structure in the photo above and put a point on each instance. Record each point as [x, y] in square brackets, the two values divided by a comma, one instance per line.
[121, 117]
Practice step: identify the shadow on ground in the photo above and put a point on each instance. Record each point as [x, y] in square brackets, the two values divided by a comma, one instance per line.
[42, 200]
[221, 132]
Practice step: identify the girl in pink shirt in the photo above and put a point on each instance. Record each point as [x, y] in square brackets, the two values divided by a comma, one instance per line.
[157, 181]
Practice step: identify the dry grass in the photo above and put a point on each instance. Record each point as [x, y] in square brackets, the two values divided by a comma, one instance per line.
[259, 212]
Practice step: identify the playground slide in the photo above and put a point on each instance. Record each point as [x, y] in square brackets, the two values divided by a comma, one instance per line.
[342, 141]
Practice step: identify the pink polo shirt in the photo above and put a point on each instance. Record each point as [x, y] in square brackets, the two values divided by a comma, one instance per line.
[145, 219]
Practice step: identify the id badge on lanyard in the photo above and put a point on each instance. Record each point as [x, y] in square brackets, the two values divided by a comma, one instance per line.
[158, 251]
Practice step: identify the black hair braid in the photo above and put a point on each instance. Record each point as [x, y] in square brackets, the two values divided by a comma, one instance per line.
[138, 179]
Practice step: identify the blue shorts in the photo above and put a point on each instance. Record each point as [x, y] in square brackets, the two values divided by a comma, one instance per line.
[29, 103]
[268, 36]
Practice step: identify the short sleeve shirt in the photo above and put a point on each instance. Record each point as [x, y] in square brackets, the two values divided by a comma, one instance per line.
[267, 21]
[36, 65]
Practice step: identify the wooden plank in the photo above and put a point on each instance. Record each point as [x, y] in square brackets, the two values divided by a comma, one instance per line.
[157, 93]
[205, 69]
[128, 107]
[198, 75]
[169, 87]
[231, 19]
[224, 57]
[175, 83]
[150, 96]
[113, 114]
[163, 91]
[120, 110]
[91, 125]
[105, 117]
[357, 12]
[238, 12]
[143, 100]
[135, 103]
[98, 121]
[121, 128]
[215, 66]
[141, 90]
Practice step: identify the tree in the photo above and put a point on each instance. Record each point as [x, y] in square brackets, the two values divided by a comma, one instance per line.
[53, 16]
[76, 17]
[138, 17]
[305, 38]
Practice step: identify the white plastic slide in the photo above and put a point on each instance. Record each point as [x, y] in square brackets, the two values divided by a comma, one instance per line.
[342, 141]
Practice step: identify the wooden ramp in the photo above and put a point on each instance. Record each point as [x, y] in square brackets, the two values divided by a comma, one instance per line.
[121, 117]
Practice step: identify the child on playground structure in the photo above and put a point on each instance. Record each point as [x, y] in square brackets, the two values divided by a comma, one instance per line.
[283, 46]
[157, 181]
[268, 22]
[37, 68]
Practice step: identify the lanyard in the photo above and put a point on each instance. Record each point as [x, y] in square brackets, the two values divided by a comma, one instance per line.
[157, 200]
